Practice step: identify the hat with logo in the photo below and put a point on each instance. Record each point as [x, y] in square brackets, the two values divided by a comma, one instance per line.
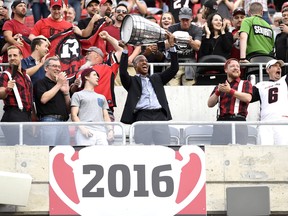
[212, 4]
[185, 13]
[273, 62]
[56, 2]
[238, 10]
[89, 1]
[95, 49]
[86, 72]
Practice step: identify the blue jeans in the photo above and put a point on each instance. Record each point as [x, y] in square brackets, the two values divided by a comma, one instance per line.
[39, 10]
[54, 135]
[76, 4]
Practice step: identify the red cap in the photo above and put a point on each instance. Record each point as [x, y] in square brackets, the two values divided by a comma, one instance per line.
[56, 2]
[284, 6]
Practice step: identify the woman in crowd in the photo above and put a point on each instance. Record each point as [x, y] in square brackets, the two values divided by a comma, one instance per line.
[216, 40]
[166, 20]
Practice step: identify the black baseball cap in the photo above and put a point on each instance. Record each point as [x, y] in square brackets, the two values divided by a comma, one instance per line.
[212, 4]
[239, 10]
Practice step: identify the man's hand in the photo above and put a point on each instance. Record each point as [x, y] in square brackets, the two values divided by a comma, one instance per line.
[170, 38]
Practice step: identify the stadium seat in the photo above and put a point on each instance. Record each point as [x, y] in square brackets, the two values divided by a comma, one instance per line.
[198, 134]
[210, 75]
[175, 136]
[252, 134]
[255, 69]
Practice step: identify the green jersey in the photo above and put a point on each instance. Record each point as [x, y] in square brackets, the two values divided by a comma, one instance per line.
[260, 35]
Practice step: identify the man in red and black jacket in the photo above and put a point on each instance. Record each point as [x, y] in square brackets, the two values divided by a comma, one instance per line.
[15, 83]
[233, 97]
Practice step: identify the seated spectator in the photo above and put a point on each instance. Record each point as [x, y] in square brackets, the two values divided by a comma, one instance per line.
[256, 35]
[217, 40]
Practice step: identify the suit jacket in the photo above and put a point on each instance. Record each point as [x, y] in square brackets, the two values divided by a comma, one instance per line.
[133, 86]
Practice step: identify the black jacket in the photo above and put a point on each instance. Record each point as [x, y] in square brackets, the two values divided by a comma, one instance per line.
[133, 86]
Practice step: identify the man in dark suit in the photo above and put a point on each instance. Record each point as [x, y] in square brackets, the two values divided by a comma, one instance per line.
[146, 100]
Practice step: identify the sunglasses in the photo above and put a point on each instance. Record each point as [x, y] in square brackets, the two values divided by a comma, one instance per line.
[121, 11]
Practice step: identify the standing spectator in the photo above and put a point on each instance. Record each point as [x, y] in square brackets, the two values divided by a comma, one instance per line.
[53, 24]
[76, 5]
[186, 51]
[166, 20]
[106, 70]
[256, 35]
[92, 8]
[198, 20]
[52, 100]
[281, 41]
[209, 7]
[175, 7]
[16, 26]
[238, 16]
[146, 100]
[135, 6]
[121, 11]
[90, 25]
[273, 99]
[3, 18]
[217, 40]
[265, 15]
[71, 15]
[88, 106]
[34, 63]
[105, 8]
[15, 82]
[224, 8]
[233, 97]
[39, 10]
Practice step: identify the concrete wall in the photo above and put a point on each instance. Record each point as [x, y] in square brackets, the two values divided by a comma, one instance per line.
[186, 103]
[226, 166]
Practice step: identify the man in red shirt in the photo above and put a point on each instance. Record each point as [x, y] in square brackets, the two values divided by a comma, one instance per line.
[15, 28]
[16, 93]
[233, 96]
[54, 24]
[107, 70]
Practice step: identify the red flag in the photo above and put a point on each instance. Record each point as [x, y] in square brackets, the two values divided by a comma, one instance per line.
[67, 47]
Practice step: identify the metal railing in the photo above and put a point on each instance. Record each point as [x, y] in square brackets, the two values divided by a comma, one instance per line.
[120, 133]
[181, 126]
[119, 130]
[260, 65]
